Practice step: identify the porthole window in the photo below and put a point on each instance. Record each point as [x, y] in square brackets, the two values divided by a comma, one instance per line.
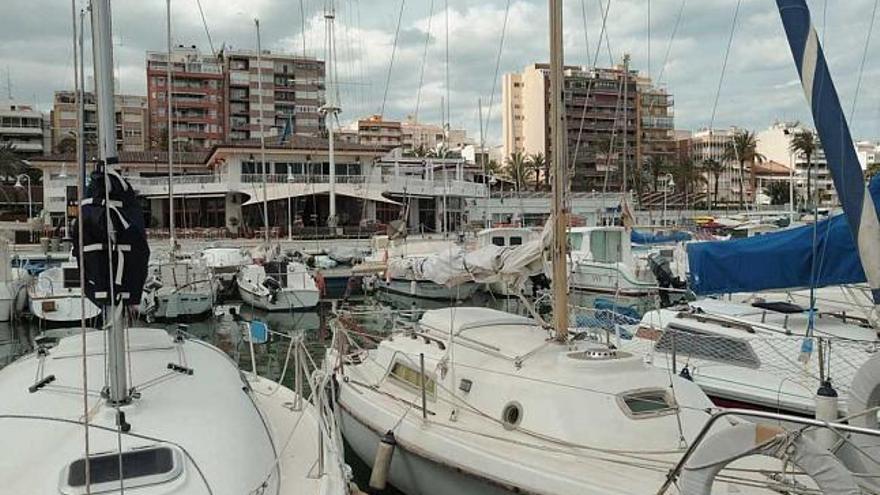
[512, 415]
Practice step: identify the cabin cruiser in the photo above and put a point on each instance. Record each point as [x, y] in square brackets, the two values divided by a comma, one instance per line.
[13, 283]
[56, 297]
[506, 237]
[279, 285]
[602, 262]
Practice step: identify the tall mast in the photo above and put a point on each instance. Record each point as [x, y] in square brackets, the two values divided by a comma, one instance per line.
[625, 119]
[331, 107]
[560, 172]
[169, 89]
[102, 50]
[262, 134]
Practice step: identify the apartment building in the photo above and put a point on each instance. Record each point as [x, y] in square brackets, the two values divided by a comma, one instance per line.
[24, 128]
[712, 144]
[615, 117]
[421, 135]
[293, 94]
[197, 95]
[380, 134]
[132, 120]
[775, 144]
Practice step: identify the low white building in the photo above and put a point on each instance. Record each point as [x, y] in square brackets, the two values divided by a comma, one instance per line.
[223, 188]
[25, 128]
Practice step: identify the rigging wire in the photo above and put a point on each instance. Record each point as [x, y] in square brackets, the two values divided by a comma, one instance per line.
[497, 69]
[671, 39]
[391, 63]
[205, 25]
[586, 29]
[864, 58]
[302, 21]
[724, 64]
[446, 127]
[424, 60]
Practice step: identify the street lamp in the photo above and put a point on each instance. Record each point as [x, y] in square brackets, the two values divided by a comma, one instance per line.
[289, 203]
[19, 185]
[492, 181]
[670, 183]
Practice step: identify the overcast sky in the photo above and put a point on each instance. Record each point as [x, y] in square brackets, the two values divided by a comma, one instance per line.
[760, 84]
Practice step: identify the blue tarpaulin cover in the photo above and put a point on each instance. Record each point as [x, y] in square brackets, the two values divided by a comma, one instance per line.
[779, 260]
[649, 238]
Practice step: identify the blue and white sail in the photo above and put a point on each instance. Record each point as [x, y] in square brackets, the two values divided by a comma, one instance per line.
[830, 121]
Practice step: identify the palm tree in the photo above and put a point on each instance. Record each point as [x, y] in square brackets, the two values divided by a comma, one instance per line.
[516, 169]
[804, 142]
[744, 149]
[715, 168]
[538, 164]
[687, 175]
[10, 163]
[656, 168]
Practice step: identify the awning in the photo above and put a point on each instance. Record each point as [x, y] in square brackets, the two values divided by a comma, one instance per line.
[283, 191]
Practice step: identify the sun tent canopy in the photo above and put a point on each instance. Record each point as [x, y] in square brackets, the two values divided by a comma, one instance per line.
[284, 191]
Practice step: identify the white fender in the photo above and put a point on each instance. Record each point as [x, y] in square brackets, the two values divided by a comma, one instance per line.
[864, 394]
[746, 439]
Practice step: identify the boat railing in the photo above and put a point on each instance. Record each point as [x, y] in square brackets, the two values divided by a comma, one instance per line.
[794, 425]
[795, 360]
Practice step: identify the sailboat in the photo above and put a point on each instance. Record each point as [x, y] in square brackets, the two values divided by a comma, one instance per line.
[55, 297]
[140, 410]
[276, 282]
[177, 286]
[471, 400]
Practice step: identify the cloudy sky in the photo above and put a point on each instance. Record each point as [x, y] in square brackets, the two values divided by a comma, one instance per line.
[759, 84]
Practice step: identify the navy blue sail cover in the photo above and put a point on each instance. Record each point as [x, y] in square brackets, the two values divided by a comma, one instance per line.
[779, 260]
[639, 237]
[129, 253]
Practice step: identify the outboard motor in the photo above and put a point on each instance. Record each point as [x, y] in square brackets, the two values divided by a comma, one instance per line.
[274, 288]
[659, 266]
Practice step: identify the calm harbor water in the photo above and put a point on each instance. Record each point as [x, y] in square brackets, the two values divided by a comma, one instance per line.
[374, 314]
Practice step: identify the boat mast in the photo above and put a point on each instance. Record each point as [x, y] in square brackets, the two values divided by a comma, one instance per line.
[331, 107]
[263, 165]
[560, 172]
[102, 52]
[169, 89]
[834, 134]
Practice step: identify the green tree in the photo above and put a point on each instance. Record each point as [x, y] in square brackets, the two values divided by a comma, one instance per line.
[744, 149]
[804, 142]
[538, 163]
[778, 192]
[516, 169]
[687, 175]
[715, 168]
[11, 163]
[872, 170]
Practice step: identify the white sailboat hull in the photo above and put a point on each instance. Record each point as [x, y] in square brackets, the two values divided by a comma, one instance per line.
[285, 300]
[605, 278]
[180, 304]
[410, 472]
[427, 289]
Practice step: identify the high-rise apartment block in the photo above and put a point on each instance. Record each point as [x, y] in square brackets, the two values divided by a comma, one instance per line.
[23, 128]
[197, 98]
[217, 98]
[615, 118]
[293, 94]
[132, 120]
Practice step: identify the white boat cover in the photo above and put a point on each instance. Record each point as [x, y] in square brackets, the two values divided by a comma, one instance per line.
[489, 264]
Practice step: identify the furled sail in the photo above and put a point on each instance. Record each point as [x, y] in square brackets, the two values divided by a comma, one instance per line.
[858, 205]
[129, 252]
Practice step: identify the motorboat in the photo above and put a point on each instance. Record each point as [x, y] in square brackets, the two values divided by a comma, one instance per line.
[178, 288]
[224, 263]
[602, 263]
[506, 237]
[280, 285]
[55, 297]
